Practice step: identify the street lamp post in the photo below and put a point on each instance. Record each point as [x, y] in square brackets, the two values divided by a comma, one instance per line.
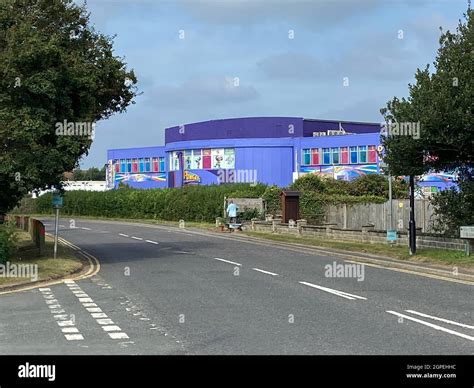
[411, 224]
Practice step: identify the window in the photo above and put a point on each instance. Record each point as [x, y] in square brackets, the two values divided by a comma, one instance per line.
[188, 159]
[372, 154]
[344, 155]
[353, 151]
[314, 156]
[161, 161]
[134, 165]
[174, 161]
[123, 165]
[206, 159]
[154, 164]
[362, 154]
[229, 158]
[117, 165]
[306, 157]
[335, 155]
[141, 165]
[147, 164]
[326, 156]
[129, 165]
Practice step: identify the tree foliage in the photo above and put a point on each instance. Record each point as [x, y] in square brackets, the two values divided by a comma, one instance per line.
[442, 102]
[54, 67]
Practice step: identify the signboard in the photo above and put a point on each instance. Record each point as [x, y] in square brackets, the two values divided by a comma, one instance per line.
[391, 235]
[467, 232]
[57, 201]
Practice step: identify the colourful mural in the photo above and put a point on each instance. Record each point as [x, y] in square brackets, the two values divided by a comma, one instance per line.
[341, 172]
[191, 178]
[160, 177]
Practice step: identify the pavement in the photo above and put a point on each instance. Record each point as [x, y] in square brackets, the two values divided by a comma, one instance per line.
[165, 290]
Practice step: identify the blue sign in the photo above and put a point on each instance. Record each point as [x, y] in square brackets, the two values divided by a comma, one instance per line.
[391, 235]
[57, 200]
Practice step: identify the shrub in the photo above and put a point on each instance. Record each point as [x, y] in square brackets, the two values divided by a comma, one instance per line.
[271, 196]
[8, 239]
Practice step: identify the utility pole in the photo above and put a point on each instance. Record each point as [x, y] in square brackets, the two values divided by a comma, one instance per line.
[411, 224]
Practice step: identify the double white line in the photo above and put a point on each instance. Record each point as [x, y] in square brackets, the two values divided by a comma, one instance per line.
[342, 294]
[433, 326]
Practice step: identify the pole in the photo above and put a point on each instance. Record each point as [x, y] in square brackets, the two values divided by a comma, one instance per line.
[56, 231]
[390, 209]
[411, 225]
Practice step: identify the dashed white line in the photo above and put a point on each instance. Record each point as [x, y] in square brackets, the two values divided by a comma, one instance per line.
[342, 294]
[124, 235]
[151, 242]
[74, 337]
[118, 336]
[436, 327]
[227, 261]
[137, 238]
[86, 228]
[440, 319]
[266, 272]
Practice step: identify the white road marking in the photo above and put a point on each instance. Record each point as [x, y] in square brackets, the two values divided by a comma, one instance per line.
[58, 311]
[99, 315]
[45, 289]
[151, 242]
[86, 228]
[441, 319]
[106, 321]
[124, 235]
[111, 328]
[137, 238]
[342, 294]
[62, 317]
[267, 272]
[51, 301]
[118, 336]
[70, 330]
[65, 323]
[94, 309]
[54, 306]
[227, 261]
[436, 327]
[87, 300]
[74, 337]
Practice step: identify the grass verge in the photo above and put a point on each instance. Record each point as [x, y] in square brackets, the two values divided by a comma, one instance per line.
[48, 268]
[426, 255]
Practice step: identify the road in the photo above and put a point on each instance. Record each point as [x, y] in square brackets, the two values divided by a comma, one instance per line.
[165, 290]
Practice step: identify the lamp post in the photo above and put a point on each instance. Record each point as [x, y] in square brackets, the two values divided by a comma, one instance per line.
[411, 223]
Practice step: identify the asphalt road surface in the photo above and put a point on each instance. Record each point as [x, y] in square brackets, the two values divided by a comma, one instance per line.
[165, 290]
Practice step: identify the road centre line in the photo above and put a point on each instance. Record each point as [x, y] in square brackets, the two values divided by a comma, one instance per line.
[436, 327]
[137, 238]
[342, 294]
[441, 319]
[266, 272]
[124, 235]
[227, 261]
[151, 242]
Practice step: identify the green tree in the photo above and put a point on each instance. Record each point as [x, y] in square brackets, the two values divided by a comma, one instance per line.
[54, 67]
[442, 102]
[91, 174]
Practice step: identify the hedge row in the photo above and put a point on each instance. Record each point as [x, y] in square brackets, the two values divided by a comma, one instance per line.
[191, 203]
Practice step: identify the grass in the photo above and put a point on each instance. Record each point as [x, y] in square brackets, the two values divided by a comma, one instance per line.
[48, 267]
[427, 255]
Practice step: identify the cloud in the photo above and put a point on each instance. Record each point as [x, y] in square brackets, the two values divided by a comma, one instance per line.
[313, 13]
[199, 91]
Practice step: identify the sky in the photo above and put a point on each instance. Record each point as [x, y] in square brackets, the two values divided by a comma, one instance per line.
[321, 59]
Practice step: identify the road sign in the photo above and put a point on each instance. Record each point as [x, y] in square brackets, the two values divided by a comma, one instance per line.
[391, 235]
[57, 201]
[467, 232]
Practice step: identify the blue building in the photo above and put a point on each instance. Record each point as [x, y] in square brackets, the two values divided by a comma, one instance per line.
[271, 150]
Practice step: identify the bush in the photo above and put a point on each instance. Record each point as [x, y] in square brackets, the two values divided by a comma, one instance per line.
[8, 239]
[454, 208]
[191, 203]
[271, 196]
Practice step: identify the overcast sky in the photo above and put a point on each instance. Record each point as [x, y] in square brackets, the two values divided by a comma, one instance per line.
[328, 59]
